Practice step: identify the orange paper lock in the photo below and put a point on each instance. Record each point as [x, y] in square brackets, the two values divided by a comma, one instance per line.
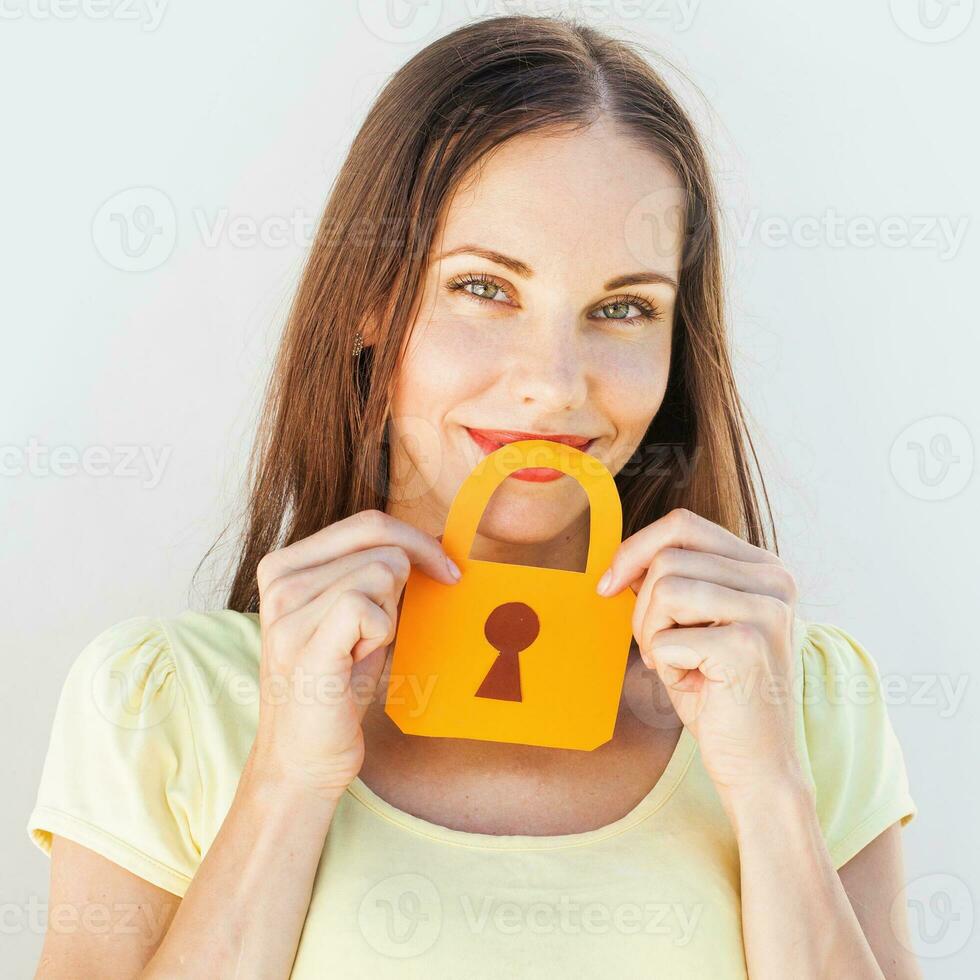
[515, 653]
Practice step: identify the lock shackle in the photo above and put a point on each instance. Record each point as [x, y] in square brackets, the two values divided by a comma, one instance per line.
[605, 509]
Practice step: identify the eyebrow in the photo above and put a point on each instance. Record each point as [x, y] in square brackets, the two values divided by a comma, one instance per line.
[524, 270]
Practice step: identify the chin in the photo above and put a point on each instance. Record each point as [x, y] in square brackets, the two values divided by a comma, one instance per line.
[530, 519]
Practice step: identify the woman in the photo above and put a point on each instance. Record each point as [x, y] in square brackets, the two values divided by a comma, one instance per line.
[521, 243]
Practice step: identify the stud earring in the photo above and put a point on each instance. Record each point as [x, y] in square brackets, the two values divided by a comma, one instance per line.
[358, 343]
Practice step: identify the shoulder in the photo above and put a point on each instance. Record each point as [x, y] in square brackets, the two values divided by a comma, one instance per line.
[850, 745]
[841, 693]
[213, 659]
[188, 637]
[831, 655]
[155, 719]
[216, 648]
[164, 694]
[138, 667]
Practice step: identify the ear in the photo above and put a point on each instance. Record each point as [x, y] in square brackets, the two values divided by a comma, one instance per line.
[369, 332]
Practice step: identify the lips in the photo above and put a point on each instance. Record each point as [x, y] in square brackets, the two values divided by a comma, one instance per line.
[490, 440]
[500, 437]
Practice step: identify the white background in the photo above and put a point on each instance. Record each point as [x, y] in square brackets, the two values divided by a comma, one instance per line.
[846, 144]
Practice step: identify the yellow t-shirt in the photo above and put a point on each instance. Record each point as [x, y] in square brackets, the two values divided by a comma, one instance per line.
[157, 717]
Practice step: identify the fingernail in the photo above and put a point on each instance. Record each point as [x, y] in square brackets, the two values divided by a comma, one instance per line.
[453, 569]
[603, 587]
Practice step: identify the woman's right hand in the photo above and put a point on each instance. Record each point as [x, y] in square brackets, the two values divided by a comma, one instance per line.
[328, 611]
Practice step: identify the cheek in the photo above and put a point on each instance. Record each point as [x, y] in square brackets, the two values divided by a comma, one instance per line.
[442, 368]
[443, 365]
[633, 382]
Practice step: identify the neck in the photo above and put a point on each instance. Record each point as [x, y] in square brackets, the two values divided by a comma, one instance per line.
[568, 550]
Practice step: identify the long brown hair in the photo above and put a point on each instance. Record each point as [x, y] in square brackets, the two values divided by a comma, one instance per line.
[320, 453]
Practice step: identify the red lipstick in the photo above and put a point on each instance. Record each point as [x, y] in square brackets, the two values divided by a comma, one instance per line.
[490, 440]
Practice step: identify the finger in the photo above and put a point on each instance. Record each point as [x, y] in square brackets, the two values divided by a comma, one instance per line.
[365, 675]
[678, 601]
[365, 529]
[726, 654]
[375, 580]
[294, 589]
[326, 659]
[363, 647]
[357, 616]
[756, 578]
[678, 529]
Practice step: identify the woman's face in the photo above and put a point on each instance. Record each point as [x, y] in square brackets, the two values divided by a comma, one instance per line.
[522, 326]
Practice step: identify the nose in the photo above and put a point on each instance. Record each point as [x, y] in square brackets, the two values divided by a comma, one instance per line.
[549, 369]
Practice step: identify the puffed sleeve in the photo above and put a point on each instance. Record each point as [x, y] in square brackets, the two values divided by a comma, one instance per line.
[121, 775]
[857, 762]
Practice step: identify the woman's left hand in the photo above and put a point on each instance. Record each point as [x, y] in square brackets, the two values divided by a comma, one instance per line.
[714, 618]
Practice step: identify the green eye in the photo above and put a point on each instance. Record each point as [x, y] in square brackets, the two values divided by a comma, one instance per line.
[621, 306]
[486, 290]
[480, 287]
[622, 309]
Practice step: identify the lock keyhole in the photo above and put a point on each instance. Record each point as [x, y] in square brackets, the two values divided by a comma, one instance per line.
[510, 628]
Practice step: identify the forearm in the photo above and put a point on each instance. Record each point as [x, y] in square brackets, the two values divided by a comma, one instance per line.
[796, 917]
[244, 911]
